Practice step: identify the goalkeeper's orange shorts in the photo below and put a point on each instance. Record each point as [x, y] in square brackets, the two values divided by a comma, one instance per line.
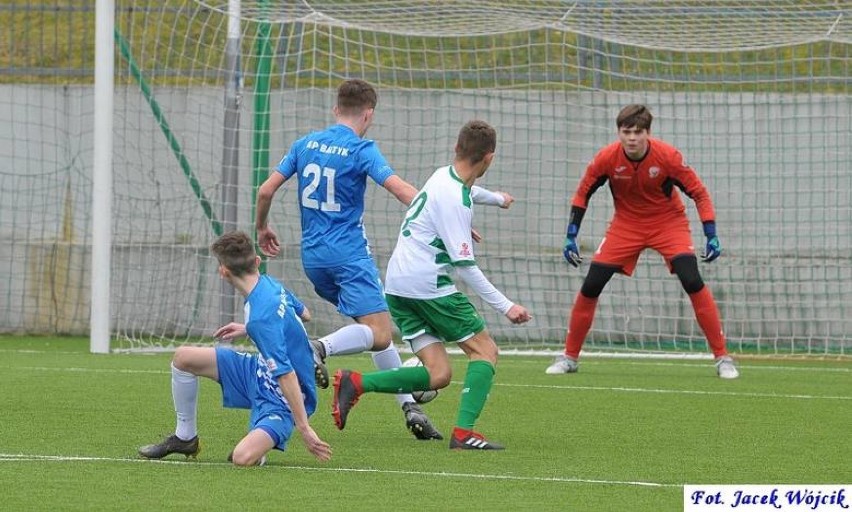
[624, 241]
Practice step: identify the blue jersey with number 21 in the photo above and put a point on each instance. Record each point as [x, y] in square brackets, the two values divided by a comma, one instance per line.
[332, 166]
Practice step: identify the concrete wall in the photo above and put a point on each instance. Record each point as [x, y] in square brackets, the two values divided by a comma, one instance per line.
[778, 167]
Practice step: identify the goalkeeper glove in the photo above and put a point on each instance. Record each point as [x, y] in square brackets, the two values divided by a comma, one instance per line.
[713, 249]
[570, 249]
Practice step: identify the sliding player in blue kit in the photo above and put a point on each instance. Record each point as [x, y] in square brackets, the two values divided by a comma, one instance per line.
[277, 385]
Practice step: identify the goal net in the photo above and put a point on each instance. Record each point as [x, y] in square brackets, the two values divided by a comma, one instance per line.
[210, 94]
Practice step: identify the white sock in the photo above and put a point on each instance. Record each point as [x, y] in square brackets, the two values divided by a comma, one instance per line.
[185, 395]
[388, 359]
[352, 339]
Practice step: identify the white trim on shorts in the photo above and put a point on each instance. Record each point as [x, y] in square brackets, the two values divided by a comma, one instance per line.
[422, 340]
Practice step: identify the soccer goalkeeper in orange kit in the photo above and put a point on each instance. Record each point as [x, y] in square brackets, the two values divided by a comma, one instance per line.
[649, 214]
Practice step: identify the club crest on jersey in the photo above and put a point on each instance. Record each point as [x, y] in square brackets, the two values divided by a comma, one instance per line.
[270, 363]
[465, 249]
[653, 172]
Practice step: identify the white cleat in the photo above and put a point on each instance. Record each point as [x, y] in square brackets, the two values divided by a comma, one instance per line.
[725, 368]
[562, 364]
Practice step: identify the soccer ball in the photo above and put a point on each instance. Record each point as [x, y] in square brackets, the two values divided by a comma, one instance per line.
[421, 397]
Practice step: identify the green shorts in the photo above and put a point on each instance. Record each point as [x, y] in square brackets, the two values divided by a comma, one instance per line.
[451, 318]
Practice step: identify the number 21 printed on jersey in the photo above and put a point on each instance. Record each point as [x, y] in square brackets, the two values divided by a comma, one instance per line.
[315, 173]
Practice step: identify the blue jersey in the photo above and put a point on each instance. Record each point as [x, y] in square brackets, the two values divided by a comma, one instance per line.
[332, 167]
[294, 302]
[279, 335]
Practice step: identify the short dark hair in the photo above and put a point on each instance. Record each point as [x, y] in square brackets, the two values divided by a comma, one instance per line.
[634, 115]
[476, 139]
[235, 250]
[355, 95]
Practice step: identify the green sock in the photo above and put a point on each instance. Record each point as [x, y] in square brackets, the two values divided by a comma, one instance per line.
[477, 384]
[397, 380]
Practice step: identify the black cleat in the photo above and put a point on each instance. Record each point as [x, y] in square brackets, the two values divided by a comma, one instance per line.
[470, 440]
[347, 391]
[171, 444]
[418, 423]
[320, 370]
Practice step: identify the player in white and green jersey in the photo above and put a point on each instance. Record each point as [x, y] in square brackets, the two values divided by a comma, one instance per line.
[440, 216]
[435, 242]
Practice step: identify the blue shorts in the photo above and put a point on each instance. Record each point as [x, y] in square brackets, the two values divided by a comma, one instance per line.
[355, 287]
[244, 387]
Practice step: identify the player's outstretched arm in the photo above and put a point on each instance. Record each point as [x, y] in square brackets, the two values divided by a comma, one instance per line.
[401, 189]
[518, 314]
[230, 332]
[473, 277]
[289, 384]
[507, 199]
[480, 195]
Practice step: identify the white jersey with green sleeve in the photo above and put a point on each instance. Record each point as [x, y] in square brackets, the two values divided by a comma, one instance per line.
[434, 237]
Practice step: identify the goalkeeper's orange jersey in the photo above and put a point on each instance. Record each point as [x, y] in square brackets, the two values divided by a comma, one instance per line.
[643, 191]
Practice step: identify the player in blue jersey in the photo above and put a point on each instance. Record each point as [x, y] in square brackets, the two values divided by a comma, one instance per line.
[236, 330]
[277, 385]
[331, 167]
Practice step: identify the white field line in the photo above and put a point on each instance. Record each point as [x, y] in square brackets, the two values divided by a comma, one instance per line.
[617, 358]
[21, 457]
[512, 360]
[619, 389]
[746, 394]
[86, 370]
[612, 362]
